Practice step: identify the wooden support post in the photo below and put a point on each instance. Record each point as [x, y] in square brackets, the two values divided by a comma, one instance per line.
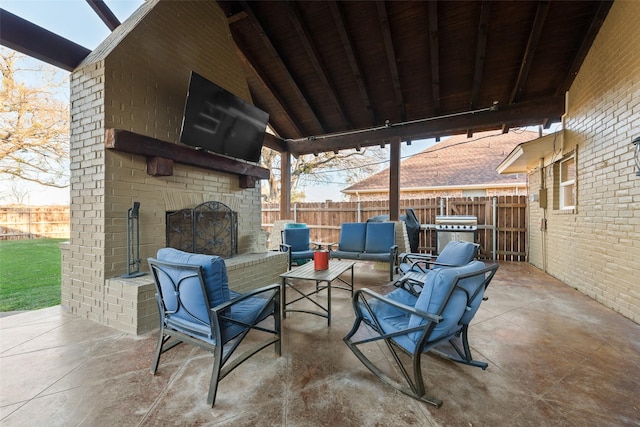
[285, 185]
[394, 179]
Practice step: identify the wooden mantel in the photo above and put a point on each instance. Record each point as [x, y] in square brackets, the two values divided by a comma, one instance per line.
[161, 155]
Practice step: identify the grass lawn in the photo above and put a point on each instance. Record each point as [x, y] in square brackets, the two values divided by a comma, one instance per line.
[29, 274]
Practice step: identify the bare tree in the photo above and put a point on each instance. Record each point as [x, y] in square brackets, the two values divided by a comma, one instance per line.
[34, 122]
[16, 194]
[310, 169]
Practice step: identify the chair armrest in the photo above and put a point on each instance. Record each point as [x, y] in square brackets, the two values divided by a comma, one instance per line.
[285, 248]
[432, 317]
[412, 257]
[393, 251]
[273, 287]
[331, 245]
[318, 245]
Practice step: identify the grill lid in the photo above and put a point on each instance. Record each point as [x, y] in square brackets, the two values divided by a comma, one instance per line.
[456, 220]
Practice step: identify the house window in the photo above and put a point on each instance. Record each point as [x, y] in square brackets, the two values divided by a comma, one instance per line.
[568, 183]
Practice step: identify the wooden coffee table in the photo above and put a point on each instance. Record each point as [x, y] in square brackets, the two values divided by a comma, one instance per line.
[324, 280]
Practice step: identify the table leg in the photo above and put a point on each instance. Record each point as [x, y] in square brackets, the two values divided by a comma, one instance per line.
[328, 303]
[283, 298]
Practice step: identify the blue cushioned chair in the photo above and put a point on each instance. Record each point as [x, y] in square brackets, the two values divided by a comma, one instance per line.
[438, 317]
[295, 241]
[196, 306]
[414, 267]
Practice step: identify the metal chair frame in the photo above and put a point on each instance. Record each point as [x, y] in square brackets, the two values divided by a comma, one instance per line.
[414, 384]
[219, 317]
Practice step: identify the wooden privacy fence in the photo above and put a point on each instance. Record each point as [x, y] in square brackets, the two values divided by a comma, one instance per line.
[17, 223]
[502, 220]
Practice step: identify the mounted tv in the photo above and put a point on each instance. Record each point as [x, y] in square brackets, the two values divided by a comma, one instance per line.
[219, 121]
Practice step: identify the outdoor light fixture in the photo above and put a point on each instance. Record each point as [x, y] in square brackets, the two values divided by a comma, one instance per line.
[636, 142]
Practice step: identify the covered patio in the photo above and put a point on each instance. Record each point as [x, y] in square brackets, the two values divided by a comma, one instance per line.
[556, 357]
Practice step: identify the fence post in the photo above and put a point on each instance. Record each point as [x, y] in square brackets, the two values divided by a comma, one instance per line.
[495, 227]
[295, 212]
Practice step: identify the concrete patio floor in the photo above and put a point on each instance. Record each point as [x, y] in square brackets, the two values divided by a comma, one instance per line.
[556, 357]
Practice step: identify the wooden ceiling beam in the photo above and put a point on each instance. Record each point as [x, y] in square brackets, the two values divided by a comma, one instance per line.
[263, 80]
[312, 53]
[293, 84]
[434, 53]
[527, 60]
[481, 54]
[602, 9]
[523, 113]
[104, 13]
[383, 18]
[354, 63]
[23, 36]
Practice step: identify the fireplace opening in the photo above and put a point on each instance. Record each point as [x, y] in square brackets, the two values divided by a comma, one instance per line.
[210, 228]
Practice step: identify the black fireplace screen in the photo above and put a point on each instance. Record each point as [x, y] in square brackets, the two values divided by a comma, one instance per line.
[210, 228]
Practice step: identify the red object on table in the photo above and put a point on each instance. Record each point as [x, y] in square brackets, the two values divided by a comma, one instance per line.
[321, 260]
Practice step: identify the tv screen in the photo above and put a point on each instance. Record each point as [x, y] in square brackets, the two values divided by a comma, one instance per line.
[221, 122]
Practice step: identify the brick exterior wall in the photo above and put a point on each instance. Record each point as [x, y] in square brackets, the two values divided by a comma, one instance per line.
[137, 80]
[596, 247]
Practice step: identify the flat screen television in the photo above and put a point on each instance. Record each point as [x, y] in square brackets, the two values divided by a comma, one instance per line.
[219, 121]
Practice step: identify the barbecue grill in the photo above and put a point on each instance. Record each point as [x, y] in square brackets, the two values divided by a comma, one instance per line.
[455, 228]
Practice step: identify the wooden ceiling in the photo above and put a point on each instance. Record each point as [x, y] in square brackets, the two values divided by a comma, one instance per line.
[345, 74]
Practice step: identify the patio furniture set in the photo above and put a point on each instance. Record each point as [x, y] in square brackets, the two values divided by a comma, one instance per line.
[435, 300]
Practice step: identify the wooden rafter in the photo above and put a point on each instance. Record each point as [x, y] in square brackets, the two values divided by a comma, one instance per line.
[432, 10]
[312, 54]
[295, 87]
[481, 54]
[527, 60]
[391, 58]
[602, 9]
[23, 36]
[248, 64]
[104, 13]
[356, 68]
[532, 46]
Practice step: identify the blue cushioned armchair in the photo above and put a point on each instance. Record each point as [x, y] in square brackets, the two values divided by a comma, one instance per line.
[196, 306]
[438, 317]
[296, 242]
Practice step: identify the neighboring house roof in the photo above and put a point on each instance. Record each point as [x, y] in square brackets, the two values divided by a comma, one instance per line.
[456, 162]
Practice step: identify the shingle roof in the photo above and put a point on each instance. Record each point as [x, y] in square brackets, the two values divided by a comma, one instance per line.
[455, 162]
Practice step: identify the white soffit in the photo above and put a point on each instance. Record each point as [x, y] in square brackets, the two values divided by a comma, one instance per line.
[527, 156]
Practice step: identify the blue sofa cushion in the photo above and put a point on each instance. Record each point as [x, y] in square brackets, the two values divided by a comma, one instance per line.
[297, 238]
[213, 267]
[457, 253]
[381, 257]
[436, 290]
[344, 254]
[380, 237]
[352, 236]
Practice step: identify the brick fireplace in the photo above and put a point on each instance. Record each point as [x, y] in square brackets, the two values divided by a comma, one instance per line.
[136, 81]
